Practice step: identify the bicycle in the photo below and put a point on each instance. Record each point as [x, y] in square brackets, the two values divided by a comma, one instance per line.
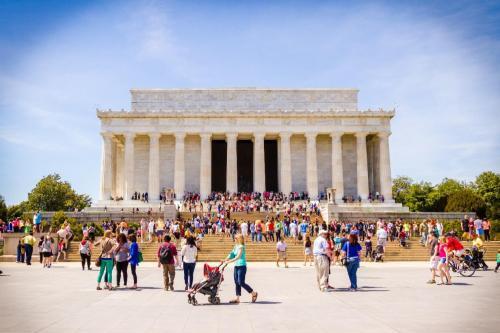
[465, 267]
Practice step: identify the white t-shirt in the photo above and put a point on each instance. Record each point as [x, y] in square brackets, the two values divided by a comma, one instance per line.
[280, 246]
[244, 227]
[381, 233]
[151, 227]
[188, 254]
[320, 246]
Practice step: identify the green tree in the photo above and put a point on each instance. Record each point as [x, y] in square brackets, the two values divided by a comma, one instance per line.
[488, 187]
[17, 210]
[400, 187]
[53, 194]
[439, 197]
[3, 209]
[466, 200]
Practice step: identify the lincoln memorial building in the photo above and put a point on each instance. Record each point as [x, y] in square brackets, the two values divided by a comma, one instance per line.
[245, 140]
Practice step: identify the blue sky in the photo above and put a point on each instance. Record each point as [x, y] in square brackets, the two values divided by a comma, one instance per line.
[437, 63]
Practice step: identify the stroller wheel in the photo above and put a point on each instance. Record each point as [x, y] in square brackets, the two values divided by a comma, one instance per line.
[189, 299]
[217, 300]
[194, 301]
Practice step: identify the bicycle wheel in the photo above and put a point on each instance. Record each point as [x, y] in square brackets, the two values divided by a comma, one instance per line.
[466, 269]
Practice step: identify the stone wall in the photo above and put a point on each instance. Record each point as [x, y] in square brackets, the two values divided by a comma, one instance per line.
[349, 165]
[324, 157]
[192, 157]
[167, 159]
[298, 150]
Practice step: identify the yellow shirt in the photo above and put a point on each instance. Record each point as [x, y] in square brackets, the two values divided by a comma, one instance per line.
[477, 243]
[29, 240]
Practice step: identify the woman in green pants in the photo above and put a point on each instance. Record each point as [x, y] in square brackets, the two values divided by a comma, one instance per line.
[108, 246]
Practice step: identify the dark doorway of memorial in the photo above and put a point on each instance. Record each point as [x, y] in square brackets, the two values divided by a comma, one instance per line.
[245, 165]
[271, 164]
[219, 165]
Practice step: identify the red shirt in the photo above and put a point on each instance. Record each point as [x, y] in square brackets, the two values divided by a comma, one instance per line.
[454, 244]
[173, 249]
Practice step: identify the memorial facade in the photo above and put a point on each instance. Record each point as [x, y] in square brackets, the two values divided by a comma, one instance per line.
[245, 140]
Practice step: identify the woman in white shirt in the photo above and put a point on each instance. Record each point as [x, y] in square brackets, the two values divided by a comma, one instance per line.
[188, 254]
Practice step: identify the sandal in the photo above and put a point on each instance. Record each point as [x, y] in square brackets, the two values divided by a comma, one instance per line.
[98, 288]
[234, 301]
[254, 297]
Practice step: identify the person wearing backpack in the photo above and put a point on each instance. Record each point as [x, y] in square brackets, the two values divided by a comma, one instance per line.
[167, 254]
[85, 252]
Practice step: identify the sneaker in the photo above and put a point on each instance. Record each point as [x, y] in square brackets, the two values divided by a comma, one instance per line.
[431, 281]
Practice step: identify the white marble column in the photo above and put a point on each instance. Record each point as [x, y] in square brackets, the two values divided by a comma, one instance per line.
[385, 167]
[205, 165]
[285, 164]
[232, 163]
[312, 166]
[154, 166]
[337, 166]
[362, 165]
[128, 179]
[179, 166]
[259, 166]
[106, 166]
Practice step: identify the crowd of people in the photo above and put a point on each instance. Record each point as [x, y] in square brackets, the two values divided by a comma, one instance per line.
[325, 243]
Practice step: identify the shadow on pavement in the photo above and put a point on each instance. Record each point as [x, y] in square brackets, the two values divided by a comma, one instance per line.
[361, 289]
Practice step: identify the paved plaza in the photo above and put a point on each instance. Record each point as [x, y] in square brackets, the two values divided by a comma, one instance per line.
[393, 298]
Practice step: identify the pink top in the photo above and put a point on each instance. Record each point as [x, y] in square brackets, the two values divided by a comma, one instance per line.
[442, 250]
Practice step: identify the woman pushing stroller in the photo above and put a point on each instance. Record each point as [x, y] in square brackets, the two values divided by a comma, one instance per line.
[238, 256]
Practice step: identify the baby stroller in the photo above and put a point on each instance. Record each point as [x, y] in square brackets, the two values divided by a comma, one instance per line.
[477, 258]
[213, 277]
[378, 254]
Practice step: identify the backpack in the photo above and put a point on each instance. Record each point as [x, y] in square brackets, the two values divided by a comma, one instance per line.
[84, 249]
[165, 254]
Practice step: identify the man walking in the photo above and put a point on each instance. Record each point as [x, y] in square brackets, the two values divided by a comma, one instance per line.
[29, 241]
[281, 252]
[167, 252]
[321, 262]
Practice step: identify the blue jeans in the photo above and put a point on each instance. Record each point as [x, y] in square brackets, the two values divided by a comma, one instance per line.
[254, 236]
[188, 273]
[352, 268]
[259, 236]
[239, 280]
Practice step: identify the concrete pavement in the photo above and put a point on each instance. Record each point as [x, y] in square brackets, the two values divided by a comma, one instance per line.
[393, 298]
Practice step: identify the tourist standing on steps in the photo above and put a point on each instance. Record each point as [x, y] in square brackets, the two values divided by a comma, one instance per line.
[188, 254]
[238, 256]
[351, 250]
[121, 257]
[167, 254]
[106, 258]
[321, 261]
[133, 258]
[29, 241]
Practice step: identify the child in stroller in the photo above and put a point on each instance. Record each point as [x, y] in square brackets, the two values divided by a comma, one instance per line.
[213, 277]
[378, 254]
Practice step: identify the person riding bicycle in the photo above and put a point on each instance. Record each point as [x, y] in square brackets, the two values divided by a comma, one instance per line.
[455, 247]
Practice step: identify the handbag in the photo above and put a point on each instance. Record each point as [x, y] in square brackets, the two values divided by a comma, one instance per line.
[98, 262]
[140, 257]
